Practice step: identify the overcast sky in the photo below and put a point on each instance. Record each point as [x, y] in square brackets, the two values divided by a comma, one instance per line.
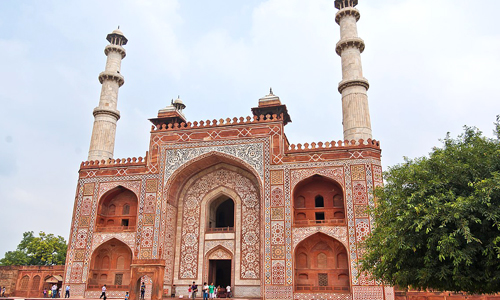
[433, 66]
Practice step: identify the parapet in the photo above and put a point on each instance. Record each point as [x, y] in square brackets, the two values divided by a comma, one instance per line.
[110, 163]
[339, 145]
[217, 123]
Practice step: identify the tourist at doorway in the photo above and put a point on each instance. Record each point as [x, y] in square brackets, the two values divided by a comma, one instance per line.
[228, 291]
[143, 290]
[44, 293]
[211, 290]
[194, 290]
[103, 292]
[126, 296]
[66, 294]
[205, 291]
[172, 293]
[54, 290]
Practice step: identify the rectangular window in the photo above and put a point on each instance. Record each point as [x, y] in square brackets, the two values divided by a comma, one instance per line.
[124, 222]
[118, 279]
[320, 216]
[322, 279]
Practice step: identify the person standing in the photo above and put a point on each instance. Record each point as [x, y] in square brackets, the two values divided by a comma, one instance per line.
[54, 290]
[211, 288]
[126, 296]
[228, 291]
[66, 294]
[103, 292]
[172, 293]
[190, 292]
[44, 293]
[3, 291]
[194, 289]
[205, 291]
[143, 290]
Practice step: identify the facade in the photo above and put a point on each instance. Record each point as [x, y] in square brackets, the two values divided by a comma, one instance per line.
[229, 201]
[29, 281]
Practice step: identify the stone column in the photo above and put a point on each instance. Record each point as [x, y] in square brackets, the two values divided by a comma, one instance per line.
[106, 115]
[353, 87]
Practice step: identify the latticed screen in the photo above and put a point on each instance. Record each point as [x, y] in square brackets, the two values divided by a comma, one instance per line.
[118, 279]
[24, 283]
[35, 283]
[323, 279]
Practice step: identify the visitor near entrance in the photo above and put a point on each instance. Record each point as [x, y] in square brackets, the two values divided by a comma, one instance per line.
[54, 290]
[211, 290]
[66, 293]
[172, 293]
[205, 291]
[127, 296]
[194, 289]
[143, 290]
[228, 291]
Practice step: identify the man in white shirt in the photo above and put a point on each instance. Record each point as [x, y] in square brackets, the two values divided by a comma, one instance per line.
[103, 294]
[228, 290]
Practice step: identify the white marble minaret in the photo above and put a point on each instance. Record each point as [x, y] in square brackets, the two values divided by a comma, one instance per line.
[353, 87]
[102, 143]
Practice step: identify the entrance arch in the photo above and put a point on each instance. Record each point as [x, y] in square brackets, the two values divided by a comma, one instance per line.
[321, 265]
[148, 282]
[219, 266]
[110, 265]
[202, 194]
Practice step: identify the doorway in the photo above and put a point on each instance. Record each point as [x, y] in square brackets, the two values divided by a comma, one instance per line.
[219, 272]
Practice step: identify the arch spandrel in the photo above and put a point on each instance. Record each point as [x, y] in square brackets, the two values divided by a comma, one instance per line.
[133, 186]
[179, 178]
[190, 160]
[339, 233]
[334, 173]
[219, 252]
[128, 238]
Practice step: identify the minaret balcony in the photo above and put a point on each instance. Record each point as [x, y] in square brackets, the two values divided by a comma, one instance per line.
[115, 48]
[111, 76]
[354, 42]
[347, 11]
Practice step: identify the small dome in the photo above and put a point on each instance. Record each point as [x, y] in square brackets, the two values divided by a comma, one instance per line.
[118, 31]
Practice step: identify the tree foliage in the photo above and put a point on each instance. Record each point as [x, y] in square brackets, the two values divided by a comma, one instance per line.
[438, 219]
[46, 249]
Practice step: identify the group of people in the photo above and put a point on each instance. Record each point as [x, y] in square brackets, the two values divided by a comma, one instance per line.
[53, 292]
[208, 291]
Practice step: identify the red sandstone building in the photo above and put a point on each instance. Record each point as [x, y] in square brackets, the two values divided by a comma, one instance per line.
[230, 201]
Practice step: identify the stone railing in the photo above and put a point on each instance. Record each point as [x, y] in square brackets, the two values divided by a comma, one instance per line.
[293, 148]
[119, 162]
[217, 123]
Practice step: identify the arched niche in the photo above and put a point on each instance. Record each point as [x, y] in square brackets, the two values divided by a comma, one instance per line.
[221, 214]
[321, 265]
[110, 265]
[318, 200]
[117, 211]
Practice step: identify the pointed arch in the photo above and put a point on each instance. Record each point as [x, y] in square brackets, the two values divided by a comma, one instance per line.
[175, 183]
[110, 264]
[117, 210]
[324, 270]
[320, 199]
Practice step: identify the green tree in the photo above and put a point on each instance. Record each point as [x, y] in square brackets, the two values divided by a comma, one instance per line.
[438, 219]
[46, 249]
